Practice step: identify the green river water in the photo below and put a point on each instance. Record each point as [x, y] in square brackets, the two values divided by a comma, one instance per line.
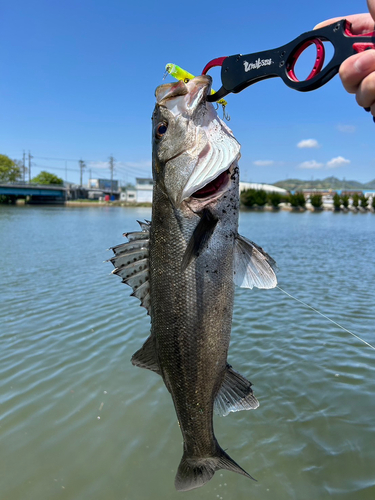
[79, 422]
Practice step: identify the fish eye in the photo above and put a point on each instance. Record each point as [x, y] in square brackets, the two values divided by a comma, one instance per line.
[161, 129]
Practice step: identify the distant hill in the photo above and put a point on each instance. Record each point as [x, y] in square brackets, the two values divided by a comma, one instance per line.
[327, 183]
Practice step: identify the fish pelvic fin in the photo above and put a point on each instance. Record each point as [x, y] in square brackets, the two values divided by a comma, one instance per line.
[194, 472]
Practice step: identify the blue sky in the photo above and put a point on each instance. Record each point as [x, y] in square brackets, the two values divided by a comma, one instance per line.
[78, 80]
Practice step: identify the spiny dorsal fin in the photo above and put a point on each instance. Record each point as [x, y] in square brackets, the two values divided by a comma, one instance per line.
[235, 394]
[131, 263]
[252, 265]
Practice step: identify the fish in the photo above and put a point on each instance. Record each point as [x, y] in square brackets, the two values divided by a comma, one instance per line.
[183, 266]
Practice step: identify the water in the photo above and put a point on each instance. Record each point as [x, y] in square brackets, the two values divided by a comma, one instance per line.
[78, 421]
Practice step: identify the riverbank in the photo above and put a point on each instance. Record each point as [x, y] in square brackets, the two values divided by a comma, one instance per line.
[266, 208]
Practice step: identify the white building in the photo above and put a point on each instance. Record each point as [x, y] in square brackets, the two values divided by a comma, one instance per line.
[143, 187]
[266, 187]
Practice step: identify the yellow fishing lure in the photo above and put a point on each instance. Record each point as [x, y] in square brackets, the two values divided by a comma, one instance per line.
[181, 74]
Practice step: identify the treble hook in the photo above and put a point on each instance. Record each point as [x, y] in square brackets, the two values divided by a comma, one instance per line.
[225, 114]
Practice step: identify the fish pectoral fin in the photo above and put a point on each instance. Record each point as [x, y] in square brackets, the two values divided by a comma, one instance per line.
[252, 265]
[200, 237]
[235, 394]
[146, 356]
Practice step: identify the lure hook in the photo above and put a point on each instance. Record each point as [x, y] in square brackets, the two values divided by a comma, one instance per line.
[225, 114]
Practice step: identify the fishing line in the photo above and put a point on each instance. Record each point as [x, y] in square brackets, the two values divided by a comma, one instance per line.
[326, 317]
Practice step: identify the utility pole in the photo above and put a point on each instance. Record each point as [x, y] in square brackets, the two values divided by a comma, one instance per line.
[23, 167]
[82, 165]
[30, 167]
[90, 177]
[66, 172]
[111, 167]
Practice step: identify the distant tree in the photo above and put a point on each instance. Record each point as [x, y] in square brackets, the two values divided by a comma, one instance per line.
[247, 197]
[260, 197]
[355, 200]
[251, 197]
[274, 199]
[345, 200]
[297, 199]
[316, 200]
[373, 202]
[47, 178]
[364, 201]
[336, 201]
[10, 170]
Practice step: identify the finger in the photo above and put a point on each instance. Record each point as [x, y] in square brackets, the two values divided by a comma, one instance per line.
[361, 23]
[354, 69]
[371, 7]
[366, 92]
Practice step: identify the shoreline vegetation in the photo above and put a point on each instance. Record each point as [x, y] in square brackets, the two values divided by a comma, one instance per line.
[258, 200]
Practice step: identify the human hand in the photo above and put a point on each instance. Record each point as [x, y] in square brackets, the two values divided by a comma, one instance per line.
[357, 73]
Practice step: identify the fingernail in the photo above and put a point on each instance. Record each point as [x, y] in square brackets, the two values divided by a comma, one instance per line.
[366, 62]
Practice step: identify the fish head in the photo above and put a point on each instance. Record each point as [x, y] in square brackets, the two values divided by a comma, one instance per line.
[193, 149]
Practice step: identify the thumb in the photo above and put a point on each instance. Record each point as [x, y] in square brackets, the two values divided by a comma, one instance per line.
[371, 8]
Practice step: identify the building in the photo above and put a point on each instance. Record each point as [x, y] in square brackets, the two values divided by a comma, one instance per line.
[143, 187]
[265, 187]
[128, 195]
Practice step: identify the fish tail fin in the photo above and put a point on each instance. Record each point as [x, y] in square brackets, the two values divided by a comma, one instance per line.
[194, 472]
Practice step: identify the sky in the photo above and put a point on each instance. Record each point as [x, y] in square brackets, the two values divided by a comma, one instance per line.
[78, 81]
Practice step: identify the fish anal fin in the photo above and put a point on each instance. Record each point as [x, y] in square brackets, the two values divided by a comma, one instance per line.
[146, 356]
[235, 394]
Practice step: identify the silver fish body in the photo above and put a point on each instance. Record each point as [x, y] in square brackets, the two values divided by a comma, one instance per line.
[192, 260]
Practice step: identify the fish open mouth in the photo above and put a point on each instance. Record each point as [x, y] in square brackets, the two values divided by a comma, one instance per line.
[213, 188]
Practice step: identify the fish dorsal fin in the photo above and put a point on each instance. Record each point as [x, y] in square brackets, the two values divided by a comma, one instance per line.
[252, 265]
[235, 394]
[146, 356]
[131, 263]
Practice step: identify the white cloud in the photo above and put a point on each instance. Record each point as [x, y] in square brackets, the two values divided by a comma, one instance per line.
[311, 164]
[263, 163]
[346, 129]
[308, 143]
[337, 162]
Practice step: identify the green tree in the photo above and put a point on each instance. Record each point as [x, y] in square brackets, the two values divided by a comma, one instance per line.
[46, 178]
[345, 200]
[274, 199]
[336, 201]
[373, 201]
[355, 200]
[247, 197]
[10, 170]
[260, 197]
[251, 197]
[316, 200]
[297, 199]
[364, 201]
